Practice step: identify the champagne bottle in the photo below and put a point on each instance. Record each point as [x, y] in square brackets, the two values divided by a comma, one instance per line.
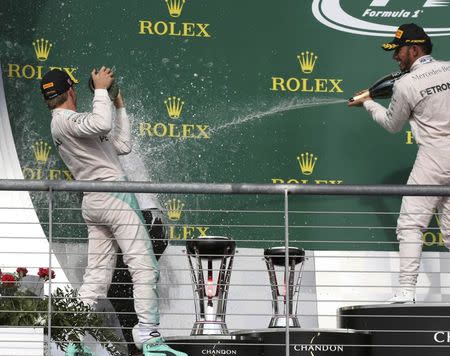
[113, 90]
[382, 88]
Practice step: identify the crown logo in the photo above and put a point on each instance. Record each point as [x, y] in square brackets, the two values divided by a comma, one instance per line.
[307, 161]
[307, 61]
[42, 48]
[41, 151]
[174, 106]
[174, 209]
[175, 7]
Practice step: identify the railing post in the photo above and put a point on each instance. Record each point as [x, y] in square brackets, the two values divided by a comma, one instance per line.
[50, 249]
[286, 267]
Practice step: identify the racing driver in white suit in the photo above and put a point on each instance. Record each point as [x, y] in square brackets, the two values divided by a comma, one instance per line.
[89, 144]
[421, 97]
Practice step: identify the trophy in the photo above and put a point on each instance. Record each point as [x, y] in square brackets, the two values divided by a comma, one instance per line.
[285, 293]
[210, 261]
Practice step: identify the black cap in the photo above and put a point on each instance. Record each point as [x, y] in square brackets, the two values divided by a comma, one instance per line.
[408, 35]
[54, 83]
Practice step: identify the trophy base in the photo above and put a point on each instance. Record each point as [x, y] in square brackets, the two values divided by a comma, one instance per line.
[280, 322]
[209, 328]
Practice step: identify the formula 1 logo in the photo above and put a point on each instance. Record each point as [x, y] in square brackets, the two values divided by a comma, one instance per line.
[382, 17]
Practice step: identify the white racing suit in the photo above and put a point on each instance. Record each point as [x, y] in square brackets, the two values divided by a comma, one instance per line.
[421, 97]
[89, 146]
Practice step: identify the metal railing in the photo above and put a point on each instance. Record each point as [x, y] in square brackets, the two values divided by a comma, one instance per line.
[284, 191]
[212, 188]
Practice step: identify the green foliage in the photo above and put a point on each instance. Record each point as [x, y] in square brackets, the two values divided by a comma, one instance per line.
[22, 308]
[70, 318]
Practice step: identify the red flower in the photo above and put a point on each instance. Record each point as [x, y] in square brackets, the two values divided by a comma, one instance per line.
[8, 279]
[44, 273]
[21, 271]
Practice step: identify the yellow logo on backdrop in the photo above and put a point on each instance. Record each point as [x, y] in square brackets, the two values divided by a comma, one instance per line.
[434, 237]
[409, 138]
[172, 28]
[174, 209]
[181, 231]
[41, 151]
[175, 7]
[42, 48]
[307, 61]
[307, 163]
[174, 106]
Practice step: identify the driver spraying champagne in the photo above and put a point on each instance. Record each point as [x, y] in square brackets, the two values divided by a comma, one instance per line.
[89, 144]
[422, 98]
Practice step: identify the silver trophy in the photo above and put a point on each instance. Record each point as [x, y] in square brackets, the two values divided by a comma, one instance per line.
[284, 293]
[210, 260]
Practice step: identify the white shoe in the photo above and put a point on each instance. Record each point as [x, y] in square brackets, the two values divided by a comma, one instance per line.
[403, 295]
[136, 337]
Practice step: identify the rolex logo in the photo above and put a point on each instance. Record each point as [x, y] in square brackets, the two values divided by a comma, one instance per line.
[174, 106]
[174, 209]
[307, 161]
[175, 7]
[307, 61]
[42, 48]
[41, 151]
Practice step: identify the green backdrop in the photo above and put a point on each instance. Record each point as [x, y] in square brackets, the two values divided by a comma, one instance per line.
[250, 106]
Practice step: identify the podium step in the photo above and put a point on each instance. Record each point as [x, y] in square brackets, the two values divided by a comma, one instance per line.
[402, 329]
[216, 345]
[271, 342]
[307, 342]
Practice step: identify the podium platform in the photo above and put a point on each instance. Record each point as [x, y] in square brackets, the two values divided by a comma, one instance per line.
[307, 342]
[271, 342]
[402, 329]
[369, 330]
[201, 345]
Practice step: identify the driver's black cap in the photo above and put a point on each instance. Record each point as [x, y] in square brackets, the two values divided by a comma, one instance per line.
[407, 35]
[54, 83]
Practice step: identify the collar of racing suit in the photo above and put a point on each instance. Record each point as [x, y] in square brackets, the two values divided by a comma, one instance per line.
[421, 61]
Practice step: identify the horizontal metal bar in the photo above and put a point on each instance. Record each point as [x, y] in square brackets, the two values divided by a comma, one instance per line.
[225, 188]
